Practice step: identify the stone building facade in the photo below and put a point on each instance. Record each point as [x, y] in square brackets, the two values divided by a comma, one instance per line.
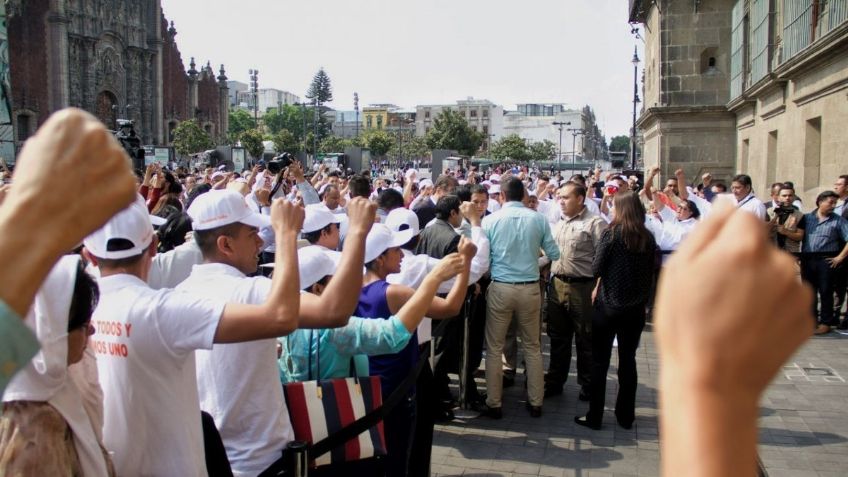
[684, 120]
[747, 86]
[789, 91]
[118, 60]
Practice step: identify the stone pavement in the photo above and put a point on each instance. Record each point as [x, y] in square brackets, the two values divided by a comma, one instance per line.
[802, 429]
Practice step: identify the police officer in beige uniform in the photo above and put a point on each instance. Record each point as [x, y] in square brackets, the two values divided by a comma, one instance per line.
[570, 292]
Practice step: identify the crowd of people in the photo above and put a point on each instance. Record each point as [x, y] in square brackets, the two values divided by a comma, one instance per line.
[153, 322]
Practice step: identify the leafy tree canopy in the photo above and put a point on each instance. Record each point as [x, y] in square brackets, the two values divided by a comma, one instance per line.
[451, 131]
[190, 138]
[619, 143]
[252, 142]
[239, 122]
[510, 147]
[284, 141]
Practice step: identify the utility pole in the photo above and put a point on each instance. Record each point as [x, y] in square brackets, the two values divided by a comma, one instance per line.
[635, 62]
[574, 133]
[356, 108]
[254, 87]
[560, 125]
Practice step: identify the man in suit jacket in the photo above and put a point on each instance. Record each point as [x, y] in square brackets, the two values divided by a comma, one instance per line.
[432, 391]
[426, 209]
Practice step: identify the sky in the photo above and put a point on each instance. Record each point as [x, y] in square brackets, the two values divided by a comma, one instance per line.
[408, 53]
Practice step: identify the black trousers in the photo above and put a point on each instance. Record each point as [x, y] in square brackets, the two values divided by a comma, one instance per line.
[607, 324]
[217, 463]
[818, 273]
[425, 420]
[840, 290]
[399, 427]
[569, 317]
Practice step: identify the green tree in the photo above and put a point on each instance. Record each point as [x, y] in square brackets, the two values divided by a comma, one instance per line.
[189, 138]
[321, 91]
[510, 147]
[412, 146]
[379, 142]
[252, 142]
[542, 150]
[239, 122]
[334, 144]
[284, 141]
[619, 143]
[451, 131]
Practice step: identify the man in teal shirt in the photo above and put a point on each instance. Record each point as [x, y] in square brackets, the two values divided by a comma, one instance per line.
[19, 345]
[516, 234]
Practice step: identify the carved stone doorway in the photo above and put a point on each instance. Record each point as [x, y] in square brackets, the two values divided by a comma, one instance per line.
[106, 109]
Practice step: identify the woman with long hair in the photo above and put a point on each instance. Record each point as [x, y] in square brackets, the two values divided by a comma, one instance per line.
[624, 267]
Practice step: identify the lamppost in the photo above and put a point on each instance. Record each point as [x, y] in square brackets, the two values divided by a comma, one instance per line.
[303, 129]
[314, 127]
[635, 61]
[356, 108]
[560, 125]
[574, 133]
[254, 88]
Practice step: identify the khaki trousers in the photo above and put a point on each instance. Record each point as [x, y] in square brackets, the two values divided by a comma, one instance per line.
[503, 303]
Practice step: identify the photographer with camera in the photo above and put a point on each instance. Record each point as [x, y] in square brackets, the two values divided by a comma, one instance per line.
[783, 219]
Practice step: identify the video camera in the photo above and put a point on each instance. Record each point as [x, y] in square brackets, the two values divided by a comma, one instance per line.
[127, 136]
[278, 163]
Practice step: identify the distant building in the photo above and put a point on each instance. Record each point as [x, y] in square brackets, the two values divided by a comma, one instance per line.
[376, 116]
[266, 98]
[344, 124]
[537, 128]
[482, 115]
[236, 87]
[537, 109]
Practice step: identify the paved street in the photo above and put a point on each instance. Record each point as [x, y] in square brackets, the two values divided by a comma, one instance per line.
[803, 426]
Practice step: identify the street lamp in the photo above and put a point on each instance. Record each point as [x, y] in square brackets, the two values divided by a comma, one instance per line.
[635, 62]
[574, 133]
[356, 108]
[560, 124]
[254, 88]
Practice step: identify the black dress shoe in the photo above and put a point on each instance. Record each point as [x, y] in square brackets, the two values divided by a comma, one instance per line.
[551, 391]
[493, 412]
[583, 396]
[535, 411]
[508, 381]
[585, 422]
[625, 423]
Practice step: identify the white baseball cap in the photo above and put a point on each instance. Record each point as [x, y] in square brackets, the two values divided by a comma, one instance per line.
[218, 208]
[403, 219]
[317, 218]
[495, 189]
[217, 175]
[314, 264]
[425, 183]
[495, 178]
[381, 238]
[131, 224]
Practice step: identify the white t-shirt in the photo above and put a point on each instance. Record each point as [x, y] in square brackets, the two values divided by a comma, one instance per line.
[239, 383]
[145, 344]
[169, 269]
[753, 205]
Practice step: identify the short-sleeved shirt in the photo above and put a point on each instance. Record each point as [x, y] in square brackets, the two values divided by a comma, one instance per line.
[238, 383]
[828, 235]
[145, 343]
[516, 234]
[19, 344]
[577, 238]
